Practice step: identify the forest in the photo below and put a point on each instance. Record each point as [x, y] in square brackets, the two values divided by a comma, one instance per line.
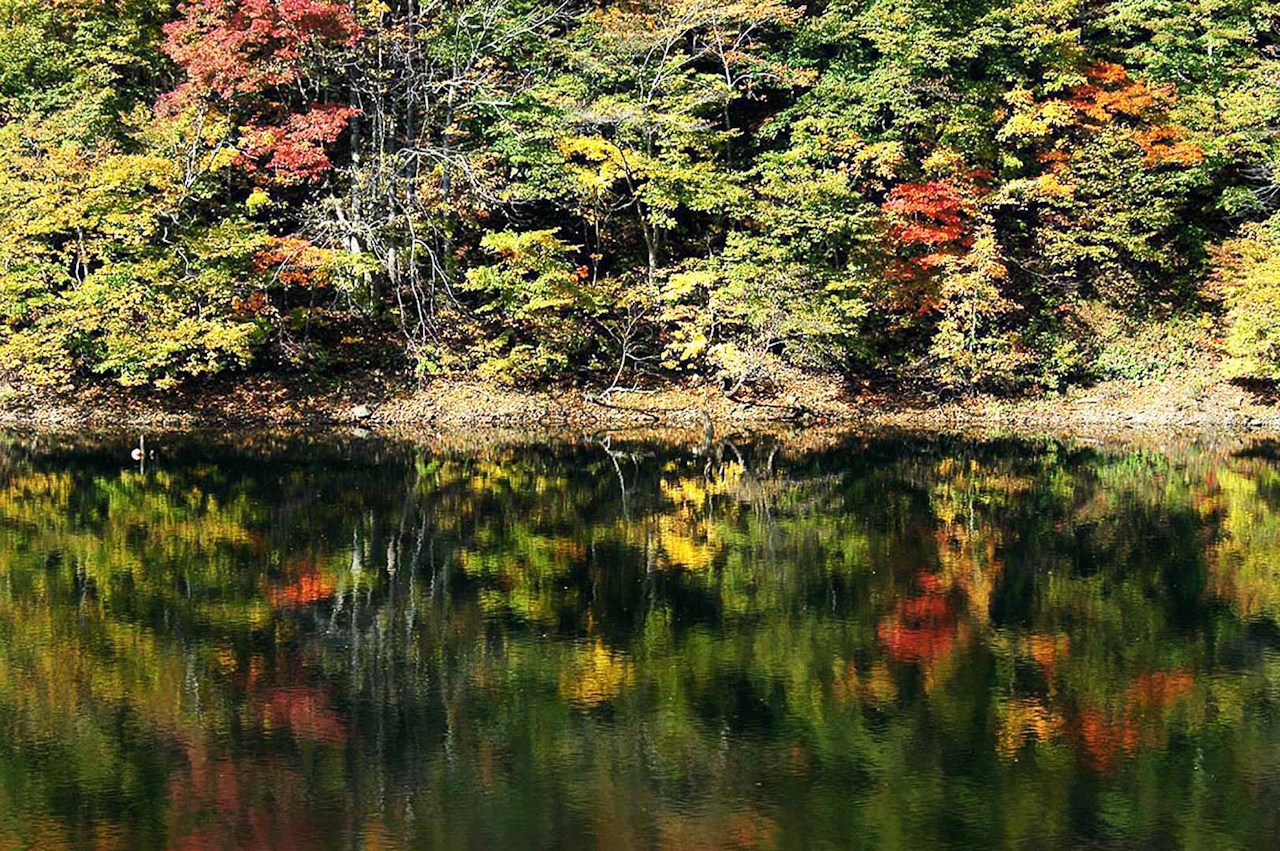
[967, 195]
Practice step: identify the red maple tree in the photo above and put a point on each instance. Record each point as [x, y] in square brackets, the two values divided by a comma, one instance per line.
[247, 57]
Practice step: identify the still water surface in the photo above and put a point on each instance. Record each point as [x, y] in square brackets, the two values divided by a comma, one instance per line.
[830, 641]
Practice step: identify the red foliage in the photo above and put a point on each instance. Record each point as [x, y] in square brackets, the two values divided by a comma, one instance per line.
[296, 149]
[934, 216]
[240, 47]
[929, 214]
[245, 54]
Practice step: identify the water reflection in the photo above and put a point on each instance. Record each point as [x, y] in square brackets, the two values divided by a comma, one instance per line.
[767, 642]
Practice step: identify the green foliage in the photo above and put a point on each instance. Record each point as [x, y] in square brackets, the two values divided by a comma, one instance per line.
[542, 299]
[975, 344]
[97, 59]
[102, 270]
[755, 308]
[1149, 350]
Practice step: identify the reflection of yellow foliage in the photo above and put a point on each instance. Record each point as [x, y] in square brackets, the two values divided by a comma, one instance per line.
[686, 542]
[695, 490]
[59, 671]
[1242, 567]
[1021, 719]
[875, 686]
[967, 539]
[1047, 650]
[968, 561]
[686, 537]
[525, 565]
[595, 675]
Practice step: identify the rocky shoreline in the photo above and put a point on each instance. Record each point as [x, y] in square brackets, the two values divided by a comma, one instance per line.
[377, 400]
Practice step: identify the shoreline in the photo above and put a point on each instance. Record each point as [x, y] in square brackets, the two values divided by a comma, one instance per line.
[379, 400]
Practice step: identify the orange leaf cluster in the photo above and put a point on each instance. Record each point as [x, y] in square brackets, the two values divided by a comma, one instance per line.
[295, 261]
[1108, 738]
[251, 306]
[304, 590]
[1111, 93]
[1166, 145]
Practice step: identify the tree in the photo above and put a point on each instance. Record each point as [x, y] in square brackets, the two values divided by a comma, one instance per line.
[246, 57]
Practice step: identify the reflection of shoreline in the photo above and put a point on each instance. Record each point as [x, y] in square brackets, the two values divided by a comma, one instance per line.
[335, 443]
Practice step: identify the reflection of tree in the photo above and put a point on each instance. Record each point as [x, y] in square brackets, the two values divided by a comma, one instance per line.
[1243, 568]
[486, 645]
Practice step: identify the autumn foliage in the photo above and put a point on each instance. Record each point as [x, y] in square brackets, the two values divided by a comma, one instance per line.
[244, 57]
[1000, 202]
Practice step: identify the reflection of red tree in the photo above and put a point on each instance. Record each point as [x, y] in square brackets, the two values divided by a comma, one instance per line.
[241, 804]
[1158, 690]
[1106, 738]
[224, 802]
[305, 712]
[308, 586]
[1141, 720]
[923, 628]
[302, 591]
[742, 828]
[290, 701]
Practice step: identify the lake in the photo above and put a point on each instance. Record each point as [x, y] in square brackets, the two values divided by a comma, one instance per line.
[492, 641]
